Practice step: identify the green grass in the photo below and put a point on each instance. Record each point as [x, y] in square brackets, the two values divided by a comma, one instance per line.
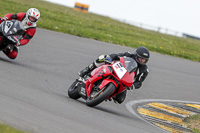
[193, 123]
[8, 129]
[66, 20]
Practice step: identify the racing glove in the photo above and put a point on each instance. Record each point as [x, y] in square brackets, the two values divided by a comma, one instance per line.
[104, 58]
[108, 59]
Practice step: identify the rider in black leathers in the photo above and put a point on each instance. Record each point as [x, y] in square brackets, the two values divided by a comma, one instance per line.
[141, 56]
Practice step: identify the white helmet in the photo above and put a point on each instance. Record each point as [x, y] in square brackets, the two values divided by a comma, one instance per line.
[32, 16]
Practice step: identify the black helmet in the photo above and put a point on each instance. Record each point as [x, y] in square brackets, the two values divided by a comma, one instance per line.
[142, 55]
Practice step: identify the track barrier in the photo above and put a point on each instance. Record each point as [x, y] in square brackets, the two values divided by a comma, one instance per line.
[81, 7]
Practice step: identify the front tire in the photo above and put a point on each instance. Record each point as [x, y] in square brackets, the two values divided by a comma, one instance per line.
[101, 97]
[73, 90]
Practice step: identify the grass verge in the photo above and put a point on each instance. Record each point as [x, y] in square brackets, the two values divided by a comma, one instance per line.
[66, 20]
[193, 123]
[8, 129]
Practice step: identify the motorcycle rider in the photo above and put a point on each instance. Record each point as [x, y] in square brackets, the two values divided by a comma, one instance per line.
[27, 23]
[141, 56]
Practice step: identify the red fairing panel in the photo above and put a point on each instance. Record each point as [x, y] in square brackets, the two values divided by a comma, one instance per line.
[96, 75]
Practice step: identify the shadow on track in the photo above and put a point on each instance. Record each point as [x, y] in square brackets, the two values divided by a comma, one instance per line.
[31, 67]
[110, 110]
[7, 60]
[14, 62]
[115, 112]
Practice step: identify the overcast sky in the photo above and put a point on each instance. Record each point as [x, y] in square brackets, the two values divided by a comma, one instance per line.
[177, 15]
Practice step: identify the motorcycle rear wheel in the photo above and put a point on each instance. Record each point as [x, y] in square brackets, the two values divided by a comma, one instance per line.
[73, 91]
[101, 97]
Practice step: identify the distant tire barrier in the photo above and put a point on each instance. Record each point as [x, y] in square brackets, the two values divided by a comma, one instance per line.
[81, 7]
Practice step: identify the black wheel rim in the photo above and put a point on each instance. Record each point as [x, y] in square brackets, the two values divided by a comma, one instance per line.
[95, 94]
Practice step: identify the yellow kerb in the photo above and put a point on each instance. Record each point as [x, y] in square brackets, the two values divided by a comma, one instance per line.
[171, 130]
[160, 116]
[171, 109]
[194, 105]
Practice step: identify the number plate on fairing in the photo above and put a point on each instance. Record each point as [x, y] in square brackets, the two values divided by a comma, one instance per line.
[119, 69]
[8, 25]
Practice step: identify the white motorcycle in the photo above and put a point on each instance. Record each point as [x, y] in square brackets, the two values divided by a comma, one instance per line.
[10, 34]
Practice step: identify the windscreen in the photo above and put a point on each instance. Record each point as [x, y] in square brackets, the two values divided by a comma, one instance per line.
[130, 64]
[12, 28]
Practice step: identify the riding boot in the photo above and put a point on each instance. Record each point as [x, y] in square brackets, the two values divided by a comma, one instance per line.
[87, 70]
[11, 51]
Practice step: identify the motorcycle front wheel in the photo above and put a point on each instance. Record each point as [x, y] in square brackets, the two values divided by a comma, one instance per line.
[95, 99]
[73, 90]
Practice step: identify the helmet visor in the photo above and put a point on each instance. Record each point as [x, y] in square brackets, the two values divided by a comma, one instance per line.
[32, 19]
[142, 60]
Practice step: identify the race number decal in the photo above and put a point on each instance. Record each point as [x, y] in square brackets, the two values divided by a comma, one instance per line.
[8, 25]
[119, 69]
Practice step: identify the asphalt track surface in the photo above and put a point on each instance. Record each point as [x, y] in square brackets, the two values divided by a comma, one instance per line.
[33, 88]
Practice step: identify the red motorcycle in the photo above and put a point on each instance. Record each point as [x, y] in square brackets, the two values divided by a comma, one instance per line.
[105, 82]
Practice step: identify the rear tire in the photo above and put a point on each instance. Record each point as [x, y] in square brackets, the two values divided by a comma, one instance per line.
[73, 91]
[107, 92]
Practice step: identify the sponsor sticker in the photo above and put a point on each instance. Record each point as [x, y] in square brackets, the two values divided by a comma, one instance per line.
[119, 69]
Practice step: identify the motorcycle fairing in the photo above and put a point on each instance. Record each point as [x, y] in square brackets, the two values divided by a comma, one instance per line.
[126, 79]
[97, 75]
[11, 30]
